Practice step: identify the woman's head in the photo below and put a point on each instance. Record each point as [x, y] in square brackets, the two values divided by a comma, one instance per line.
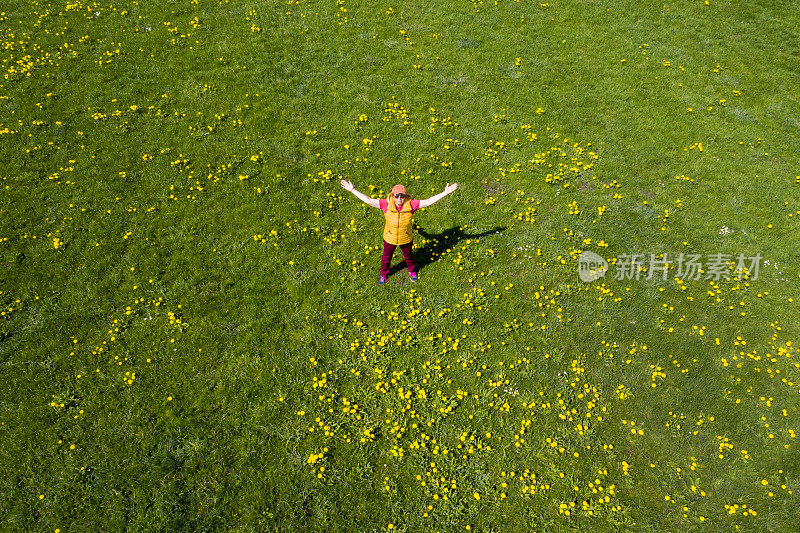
[399, 195]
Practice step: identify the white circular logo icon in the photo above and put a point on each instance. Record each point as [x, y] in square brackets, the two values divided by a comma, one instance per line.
[591, 266]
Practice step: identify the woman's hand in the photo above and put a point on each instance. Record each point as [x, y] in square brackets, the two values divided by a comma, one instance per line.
[372, 202]
[450, 187]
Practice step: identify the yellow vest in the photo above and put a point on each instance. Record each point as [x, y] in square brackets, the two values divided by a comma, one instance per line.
[397, 230]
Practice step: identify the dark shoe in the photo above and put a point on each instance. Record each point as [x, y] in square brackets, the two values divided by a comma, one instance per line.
[381, 280]
[413, 277]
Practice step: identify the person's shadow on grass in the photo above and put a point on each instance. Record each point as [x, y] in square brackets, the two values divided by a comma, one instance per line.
[437, 244]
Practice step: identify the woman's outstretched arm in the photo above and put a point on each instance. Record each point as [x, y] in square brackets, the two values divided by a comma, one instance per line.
[372, 202]
[433, 199]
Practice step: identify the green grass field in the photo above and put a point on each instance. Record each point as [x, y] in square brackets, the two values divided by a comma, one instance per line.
[192, 337]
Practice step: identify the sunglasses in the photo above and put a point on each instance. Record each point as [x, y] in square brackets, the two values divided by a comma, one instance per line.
[401, 195]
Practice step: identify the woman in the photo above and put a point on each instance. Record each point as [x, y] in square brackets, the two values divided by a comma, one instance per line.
[397, 210]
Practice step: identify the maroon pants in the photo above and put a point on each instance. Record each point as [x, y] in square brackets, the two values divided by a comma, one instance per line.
[386, 259]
